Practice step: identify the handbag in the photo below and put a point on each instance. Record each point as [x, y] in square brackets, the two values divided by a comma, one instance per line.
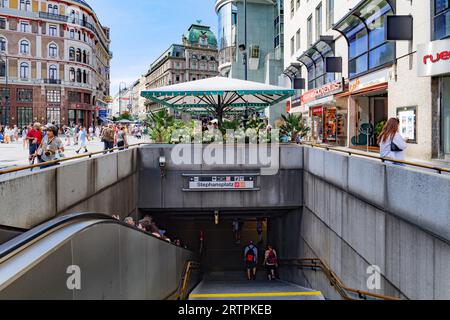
[394, 147]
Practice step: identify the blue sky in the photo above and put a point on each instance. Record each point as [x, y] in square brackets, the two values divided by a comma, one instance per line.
[142, 29]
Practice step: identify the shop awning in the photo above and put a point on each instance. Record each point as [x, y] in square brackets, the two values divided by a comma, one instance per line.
[319, 50]
[371, 89]
[319, 102]
[362, 15]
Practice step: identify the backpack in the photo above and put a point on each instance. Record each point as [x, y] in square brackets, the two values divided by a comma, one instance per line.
[250, 255]
[108, 134]
[272, 258]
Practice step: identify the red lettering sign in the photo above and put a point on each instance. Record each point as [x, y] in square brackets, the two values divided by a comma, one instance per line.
[322, 92]
[444, 55]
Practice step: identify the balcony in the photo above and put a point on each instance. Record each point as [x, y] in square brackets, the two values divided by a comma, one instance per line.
[52, 81]
[52, 16]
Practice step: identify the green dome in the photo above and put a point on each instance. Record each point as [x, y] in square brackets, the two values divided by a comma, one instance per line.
[196, 31]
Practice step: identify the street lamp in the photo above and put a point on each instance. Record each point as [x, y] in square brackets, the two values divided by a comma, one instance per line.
[4, 59]
[120, 96]
[243, 49]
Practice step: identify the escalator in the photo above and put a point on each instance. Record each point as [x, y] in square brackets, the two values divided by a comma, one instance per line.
[89, 256]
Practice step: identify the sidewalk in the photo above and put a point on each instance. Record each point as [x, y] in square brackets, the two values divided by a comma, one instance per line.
[14, 155]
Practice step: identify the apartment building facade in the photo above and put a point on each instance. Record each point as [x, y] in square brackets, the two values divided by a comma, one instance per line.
[54, 62]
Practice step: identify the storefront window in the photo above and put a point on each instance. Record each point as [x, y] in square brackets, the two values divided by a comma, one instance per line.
[24, 116]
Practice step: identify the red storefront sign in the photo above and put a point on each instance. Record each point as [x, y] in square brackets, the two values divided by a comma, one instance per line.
[288, 107]
[317, 111]
[322, 92]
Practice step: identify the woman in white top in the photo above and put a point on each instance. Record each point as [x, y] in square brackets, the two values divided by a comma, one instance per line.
[392, 144]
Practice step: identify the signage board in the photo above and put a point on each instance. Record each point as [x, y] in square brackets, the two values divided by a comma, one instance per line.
[103, 113]
[433, 58]
[408, 123]
[221, 182]
[369, 80]
[327, 90]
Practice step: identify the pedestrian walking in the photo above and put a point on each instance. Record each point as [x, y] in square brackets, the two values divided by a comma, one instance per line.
[271, 262]
[251, 260]
[121, 138]
[108, 135]
[34, 137]
[392, 144]
[83, 138]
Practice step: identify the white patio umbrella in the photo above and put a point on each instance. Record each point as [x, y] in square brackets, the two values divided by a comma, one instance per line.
[218, 96]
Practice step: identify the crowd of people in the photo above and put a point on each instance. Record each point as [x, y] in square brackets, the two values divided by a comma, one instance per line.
[45, 142]
[147, 224]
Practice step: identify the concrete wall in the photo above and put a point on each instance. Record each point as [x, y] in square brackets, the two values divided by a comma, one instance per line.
[105, 184]
[120, 266]
[358, 213]
[276, 191]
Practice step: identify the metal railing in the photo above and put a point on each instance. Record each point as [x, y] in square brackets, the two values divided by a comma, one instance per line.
[345, 292]
[183, 290]
[440, 170]
[59, 161]
[52, 81]
[53, 16]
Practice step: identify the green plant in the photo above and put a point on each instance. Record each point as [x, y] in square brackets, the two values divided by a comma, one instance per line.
[379, 128]
[293, 127]
[160, 126]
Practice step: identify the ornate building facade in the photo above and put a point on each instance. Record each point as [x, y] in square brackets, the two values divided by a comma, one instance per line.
[195, 59]
[54, 62]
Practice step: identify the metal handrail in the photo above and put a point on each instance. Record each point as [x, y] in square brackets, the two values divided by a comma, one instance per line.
[54, 162]
[382, 159]
[335, 281]
[184, 284]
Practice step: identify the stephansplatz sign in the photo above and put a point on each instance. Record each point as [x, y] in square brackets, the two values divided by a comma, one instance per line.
[221, 182]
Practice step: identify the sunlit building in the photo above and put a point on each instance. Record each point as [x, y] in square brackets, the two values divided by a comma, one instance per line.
[54, 62]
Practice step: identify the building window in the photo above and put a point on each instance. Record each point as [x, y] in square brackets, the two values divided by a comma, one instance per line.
[53, 72]
[292, 46]
[24, 26]
[24, 116]
[78, 55]
[72, 54]
[54, 116]
[74, 96]
[368, 48]
[84, 76]
[24, 95]
[72, 34]
[79, 75]
[4, 4]
[53, 96]
[72, 75]
[53, 50]
[24, 70]
[292, 9]
[309, 31]
[2, 23]
[297, 40]
[318, 21]
[24, 47]
[87, 98]
[52, 31]
[2, 68]
[330, 13]
[441, 19]
[2, 44]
